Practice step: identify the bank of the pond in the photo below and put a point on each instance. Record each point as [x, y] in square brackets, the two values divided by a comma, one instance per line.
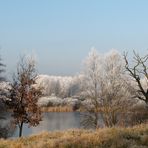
[65, 108]
[57, 109]
[54, 109]
[134, 137]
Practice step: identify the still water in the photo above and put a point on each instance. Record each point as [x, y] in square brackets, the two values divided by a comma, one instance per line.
[53, 121]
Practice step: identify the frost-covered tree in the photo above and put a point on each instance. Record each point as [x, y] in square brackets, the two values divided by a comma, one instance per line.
[90, 87]
[115, 90]
[66, 86]
[104, 86]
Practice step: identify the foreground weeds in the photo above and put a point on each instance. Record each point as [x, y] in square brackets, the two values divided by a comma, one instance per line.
[135, 137]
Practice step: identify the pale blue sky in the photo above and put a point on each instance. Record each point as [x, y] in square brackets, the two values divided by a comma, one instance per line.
[61, 32]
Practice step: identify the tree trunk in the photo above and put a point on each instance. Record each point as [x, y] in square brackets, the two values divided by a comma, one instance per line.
[20, 129]
[96, 120]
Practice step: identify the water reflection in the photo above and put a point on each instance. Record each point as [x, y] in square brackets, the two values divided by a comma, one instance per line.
[53, 121]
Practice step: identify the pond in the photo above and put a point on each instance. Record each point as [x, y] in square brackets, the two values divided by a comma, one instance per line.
[53, 121]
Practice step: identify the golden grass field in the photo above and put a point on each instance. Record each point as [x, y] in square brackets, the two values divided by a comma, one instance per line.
[134, 137]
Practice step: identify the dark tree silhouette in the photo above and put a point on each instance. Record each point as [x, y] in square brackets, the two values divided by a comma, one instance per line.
[138, 71]
[5, 129]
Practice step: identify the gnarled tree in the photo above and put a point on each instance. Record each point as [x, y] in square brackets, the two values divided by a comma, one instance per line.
[24, 95]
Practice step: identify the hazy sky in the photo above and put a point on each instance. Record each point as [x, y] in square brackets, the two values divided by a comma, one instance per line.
[61, 32]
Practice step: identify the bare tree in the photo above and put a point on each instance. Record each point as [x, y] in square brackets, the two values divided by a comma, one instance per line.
[24, 95]
[139, 72]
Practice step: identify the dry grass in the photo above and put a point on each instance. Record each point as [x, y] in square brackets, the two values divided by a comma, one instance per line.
[135, 137]
[57, 109]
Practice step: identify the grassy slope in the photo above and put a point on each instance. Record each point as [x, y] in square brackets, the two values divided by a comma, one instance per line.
[135, 137]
